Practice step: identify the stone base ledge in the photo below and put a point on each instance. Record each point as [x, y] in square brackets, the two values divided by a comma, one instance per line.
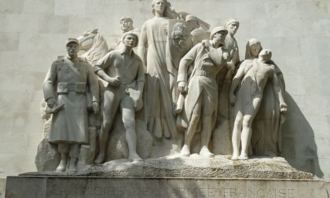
[105, 187]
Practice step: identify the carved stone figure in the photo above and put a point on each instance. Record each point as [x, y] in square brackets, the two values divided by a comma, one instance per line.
[126, 25]
[65, 94]
[197, 28]
[124, 72]
[266, 137]
[93, 46]
[246, 93]
[222, 134]
[161, 76]
[201, 101]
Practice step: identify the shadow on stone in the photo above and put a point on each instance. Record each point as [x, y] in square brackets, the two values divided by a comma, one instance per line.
[298, 142]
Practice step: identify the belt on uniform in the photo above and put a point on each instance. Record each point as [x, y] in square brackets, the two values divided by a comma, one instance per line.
[64, 87]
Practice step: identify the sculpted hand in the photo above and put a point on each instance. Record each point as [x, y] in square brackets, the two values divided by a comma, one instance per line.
[96, 107]
[283, 108]
[115, 81]
[51, 102]
[182, 87]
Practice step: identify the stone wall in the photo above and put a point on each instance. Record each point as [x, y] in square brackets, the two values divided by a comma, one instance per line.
[33, 33]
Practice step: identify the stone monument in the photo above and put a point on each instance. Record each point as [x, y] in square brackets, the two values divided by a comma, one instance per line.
[151, 122]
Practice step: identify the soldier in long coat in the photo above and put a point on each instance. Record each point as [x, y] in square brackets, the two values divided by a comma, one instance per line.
[65, 94]
[200, 107]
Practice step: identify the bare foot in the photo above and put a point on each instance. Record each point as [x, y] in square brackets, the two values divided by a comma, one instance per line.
[205, 152]
[185, 151]
[243, 157]
[100, 158]
[135, 157]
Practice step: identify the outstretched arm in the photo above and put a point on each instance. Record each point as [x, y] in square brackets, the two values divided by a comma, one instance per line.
[278, 90]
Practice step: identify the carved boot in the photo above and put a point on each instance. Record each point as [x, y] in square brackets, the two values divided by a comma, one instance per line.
[73, 165]
[185, 151]
[205, 152]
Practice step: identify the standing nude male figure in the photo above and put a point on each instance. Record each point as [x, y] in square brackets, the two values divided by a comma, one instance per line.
[246, 94]
[124, 91]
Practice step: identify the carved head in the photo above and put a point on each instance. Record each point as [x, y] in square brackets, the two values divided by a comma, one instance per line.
[130, 39]
[192, 22]
[160, 7]
[72, 47]
[265, 55]
[253, 48]
[126, 24]
[218, 35]
[232, 26]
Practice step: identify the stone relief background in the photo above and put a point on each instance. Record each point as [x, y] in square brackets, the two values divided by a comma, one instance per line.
[33, 34]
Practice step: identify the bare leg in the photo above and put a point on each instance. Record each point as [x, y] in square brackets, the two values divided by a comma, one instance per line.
[236, 138]
[246, 136]
[129, 124]
[109, 108]
[247, 128]
[63, 149]
[190, 135]
[206, 136]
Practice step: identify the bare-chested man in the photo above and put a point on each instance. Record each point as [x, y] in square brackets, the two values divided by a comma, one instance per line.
[124, 92]
[246, 93]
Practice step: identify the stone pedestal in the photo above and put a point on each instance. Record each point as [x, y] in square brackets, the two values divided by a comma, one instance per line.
[104, 187]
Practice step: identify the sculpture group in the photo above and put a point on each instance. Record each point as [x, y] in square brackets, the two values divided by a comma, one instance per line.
[181, 79]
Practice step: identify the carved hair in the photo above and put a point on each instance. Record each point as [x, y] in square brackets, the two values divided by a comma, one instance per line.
[166, 10]
[231, 21]
[253, 41]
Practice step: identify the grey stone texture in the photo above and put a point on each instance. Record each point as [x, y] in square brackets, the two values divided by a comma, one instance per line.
[102, 187]
[33, 33]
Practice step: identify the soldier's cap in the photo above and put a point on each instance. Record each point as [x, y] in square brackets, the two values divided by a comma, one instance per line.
[72, 40]
[130, 33]
[123, 19]
[218, 29]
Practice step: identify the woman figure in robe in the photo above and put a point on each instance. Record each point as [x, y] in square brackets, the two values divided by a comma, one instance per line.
[160, 74]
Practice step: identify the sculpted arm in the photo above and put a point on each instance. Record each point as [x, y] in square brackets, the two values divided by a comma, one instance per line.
[185, 62]
[280, 92]
[236, 81]
[49, 86]
[102, 65]
[140, 85]
[94, 88]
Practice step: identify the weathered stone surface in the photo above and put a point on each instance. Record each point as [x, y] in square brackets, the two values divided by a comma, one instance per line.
[47, 157]
[104, 187]
[194, 166]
